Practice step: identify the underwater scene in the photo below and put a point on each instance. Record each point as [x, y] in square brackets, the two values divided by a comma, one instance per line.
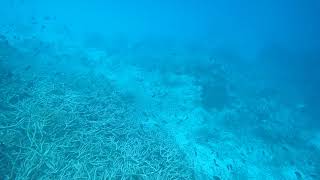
[159, 90]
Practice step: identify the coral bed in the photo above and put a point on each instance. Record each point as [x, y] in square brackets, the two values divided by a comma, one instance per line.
[72, 112]
[78, 126]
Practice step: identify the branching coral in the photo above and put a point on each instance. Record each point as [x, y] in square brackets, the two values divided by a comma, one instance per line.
[77, 135]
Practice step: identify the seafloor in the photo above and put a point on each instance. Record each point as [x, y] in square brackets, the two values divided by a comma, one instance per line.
[147, 109]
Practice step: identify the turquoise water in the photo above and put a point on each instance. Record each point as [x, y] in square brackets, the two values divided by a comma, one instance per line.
[201, 90]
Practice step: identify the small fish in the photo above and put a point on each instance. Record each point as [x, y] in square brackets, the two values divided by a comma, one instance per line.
[9, 74]
[27, 68]
[47, 18]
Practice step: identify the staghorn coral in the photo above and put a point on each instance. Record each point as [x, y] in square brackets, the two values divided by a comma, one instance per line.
[90, 135]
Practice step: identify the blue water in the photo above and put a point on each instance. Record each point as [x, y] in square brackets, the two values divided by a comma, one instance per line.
[160, 89]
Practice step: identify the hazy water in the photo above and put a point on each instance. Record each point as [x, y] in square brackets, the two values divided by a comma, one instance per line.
[159, 89]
